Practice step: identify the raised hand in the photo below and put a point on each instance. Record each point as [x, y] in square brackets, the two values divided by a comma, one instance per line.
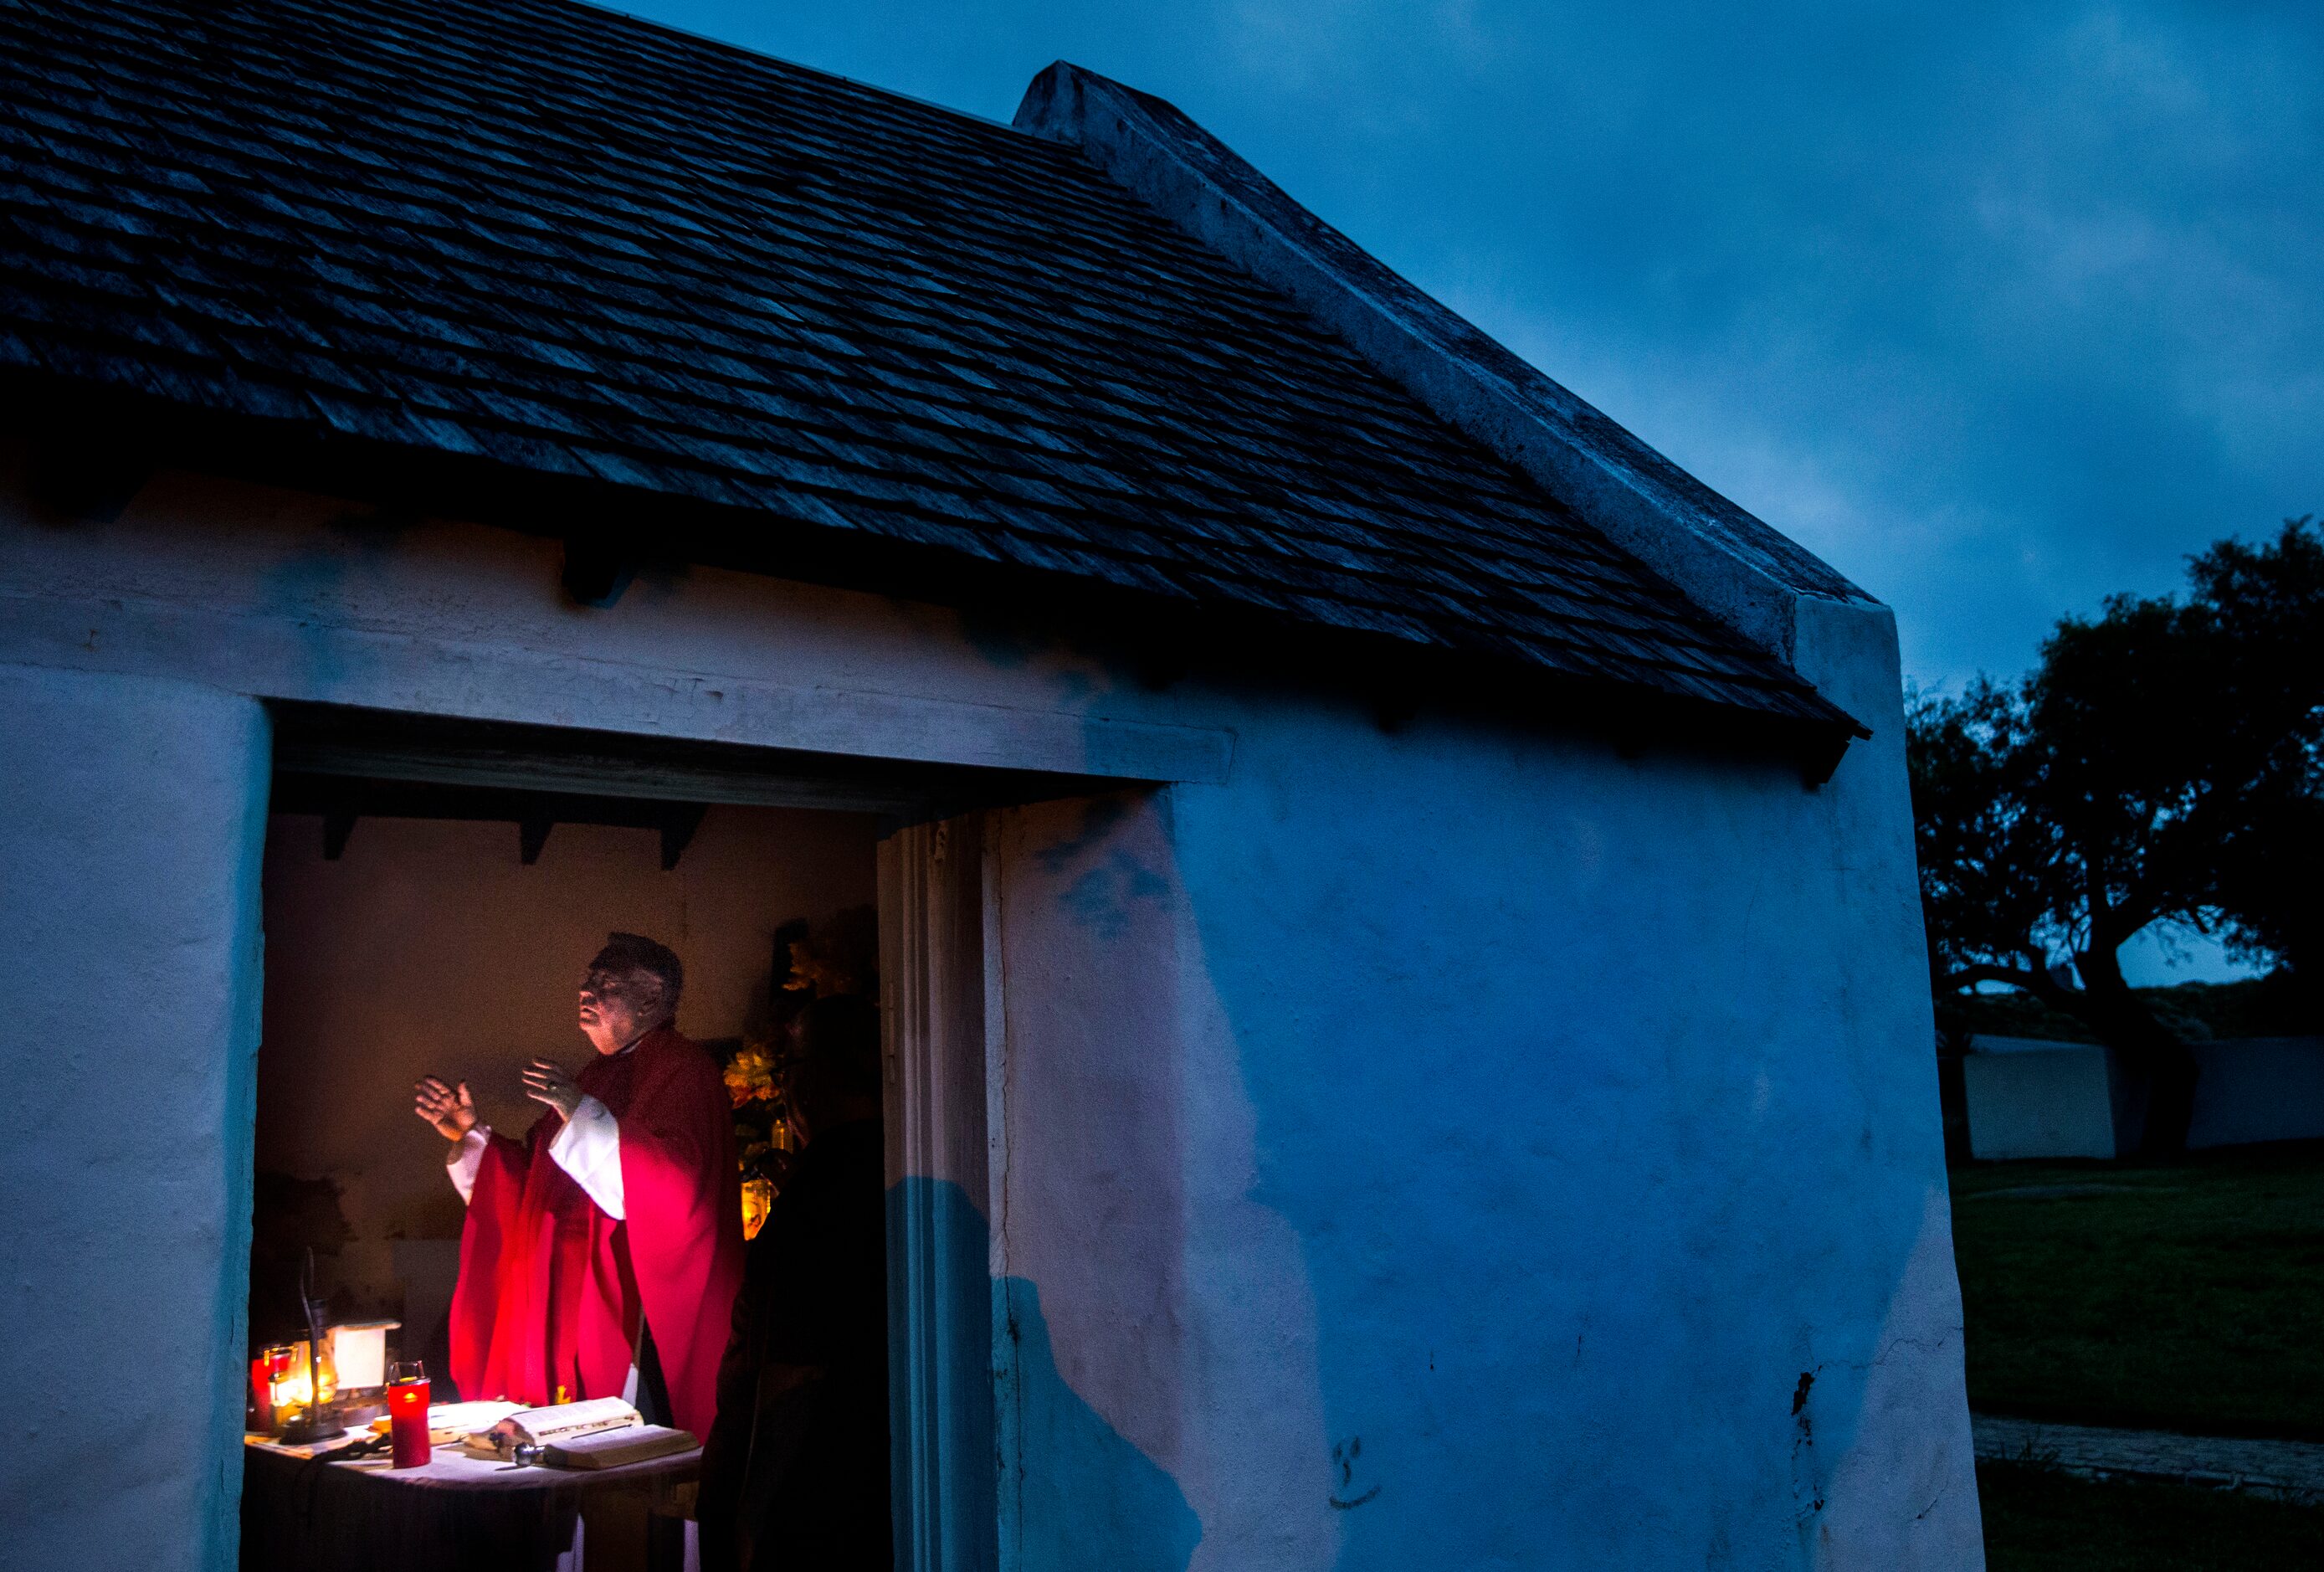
[449, 1109]
[548, 1083]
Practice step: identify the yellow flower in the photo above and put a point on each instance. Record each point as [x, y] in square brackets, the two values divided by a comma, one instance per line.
[751, 1077]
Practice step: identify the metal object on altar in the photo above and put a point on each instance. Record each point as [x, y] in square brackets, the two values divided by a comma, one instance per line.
[267, 1372]
[303, 1417]
[316, 1418]
[295, 1378]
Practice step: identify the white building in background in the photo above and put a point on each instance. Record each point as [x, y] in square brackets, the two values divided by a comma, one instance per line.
[2030, 1098]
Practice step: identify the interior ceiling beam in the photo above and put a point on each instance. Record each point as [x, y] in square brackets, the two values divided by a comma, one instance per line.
[342, 800]
[607, 777]
[329, 740]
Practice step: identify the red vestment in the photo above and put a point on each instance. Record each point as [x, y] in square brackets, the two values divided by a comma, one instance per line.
[552, 1287]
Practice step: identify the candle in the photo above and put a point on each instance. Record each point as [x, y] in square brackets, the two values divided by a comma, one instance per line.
[281, 1359]
[262, 1392]
[296, 1377]
[407, 1415]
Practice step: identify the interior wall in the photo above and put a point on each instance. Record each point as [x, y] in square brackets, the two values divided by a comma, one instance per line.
[429, 948]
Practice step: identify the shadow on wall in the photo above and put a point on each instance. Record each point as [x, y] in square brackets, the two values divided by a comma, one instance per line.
[1087, 1497]
[1083, 1496]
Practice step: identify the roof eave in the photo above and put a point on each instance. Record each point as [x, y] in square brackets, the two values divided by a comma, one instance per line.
[1731, 565]
[93, 449]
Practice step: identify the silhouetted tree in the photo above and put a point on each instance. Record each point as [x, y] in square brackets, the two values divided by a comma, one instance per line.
[2158, 765]
[2268, 602]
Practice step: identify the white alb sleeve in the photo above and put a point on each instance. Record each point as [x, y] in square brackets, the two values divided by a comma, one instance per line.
[467, 1156]
[589, 1148]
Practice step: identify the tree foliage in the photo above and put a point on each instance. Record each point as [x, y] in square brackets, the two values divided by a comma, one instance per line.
[2269, 601]
[2158, 765]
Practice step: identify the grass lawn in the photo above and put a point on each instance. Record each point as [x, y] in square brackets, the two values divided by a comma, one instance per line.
[2039, 1520]
[2186, 1296]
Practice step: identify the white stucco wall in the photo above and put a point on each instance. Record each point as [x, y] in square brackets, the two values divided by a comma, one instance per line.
[428, 948]
[1528, 1158]
[1464, 1146]
[129, 832]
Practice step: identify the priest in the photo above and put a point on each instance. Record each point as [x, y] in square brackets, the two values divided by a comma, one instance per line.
[602, 1250]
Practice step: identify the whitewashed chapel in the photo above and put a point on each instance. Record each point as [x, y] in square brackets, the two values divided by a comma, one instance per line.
[1406, 1022]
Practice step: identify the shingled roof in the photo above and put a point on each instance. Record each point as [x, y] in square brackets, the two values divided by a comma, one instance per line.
[563, 243]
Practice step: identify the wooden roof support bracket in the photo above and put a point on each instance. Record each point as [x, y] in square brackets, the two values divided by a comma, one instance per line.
[678, 827]
[89, 475]
[1819, 757]
[595, 571]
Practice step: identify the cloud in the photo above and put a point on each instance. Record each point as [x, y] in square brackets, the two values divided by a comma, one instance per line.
[1999, 308]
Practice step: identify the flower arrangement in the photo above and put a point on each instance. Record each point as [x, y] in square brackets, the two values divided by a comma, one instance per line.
[751, 1074]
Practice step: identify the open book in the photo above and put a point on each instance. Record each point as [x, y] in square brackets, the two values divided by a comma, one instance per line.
[549, 1425]
[613, 1448]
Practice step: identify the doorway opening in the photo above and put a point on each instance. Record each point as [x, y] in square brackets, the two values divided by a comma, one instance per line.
[418, 930]
[433, 891]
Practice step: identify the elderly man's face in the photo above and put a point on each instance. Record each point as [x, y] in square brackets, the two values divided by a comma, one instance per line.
[618, 1007]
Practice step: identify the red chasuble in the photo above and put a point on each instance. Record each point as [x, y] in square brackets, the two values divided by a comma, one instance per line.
[551, 1288]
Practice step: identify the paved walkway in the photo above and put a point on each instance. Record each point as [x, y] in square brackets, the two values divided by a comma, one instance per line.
[2291, 1470]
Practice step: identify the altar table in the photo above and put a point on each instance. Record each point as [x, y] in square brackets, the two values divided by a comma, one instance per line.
[461, 1513]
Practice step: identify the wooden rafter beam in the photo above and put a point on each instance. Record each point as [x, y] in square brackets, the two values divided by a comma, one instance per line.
[678, 827]
[341, 800]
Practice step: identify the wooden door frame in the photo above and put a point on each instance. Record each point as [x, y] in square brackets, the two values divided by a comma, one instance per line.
[951, 1363]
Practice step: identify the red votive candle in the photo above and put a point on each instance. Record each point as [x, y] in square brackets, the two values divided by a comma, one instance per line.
[407, 1416]
[262, 1393]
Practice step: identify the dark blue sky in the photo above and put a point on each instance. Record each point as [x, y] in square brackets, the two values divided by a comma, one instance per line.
[1998, 307]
